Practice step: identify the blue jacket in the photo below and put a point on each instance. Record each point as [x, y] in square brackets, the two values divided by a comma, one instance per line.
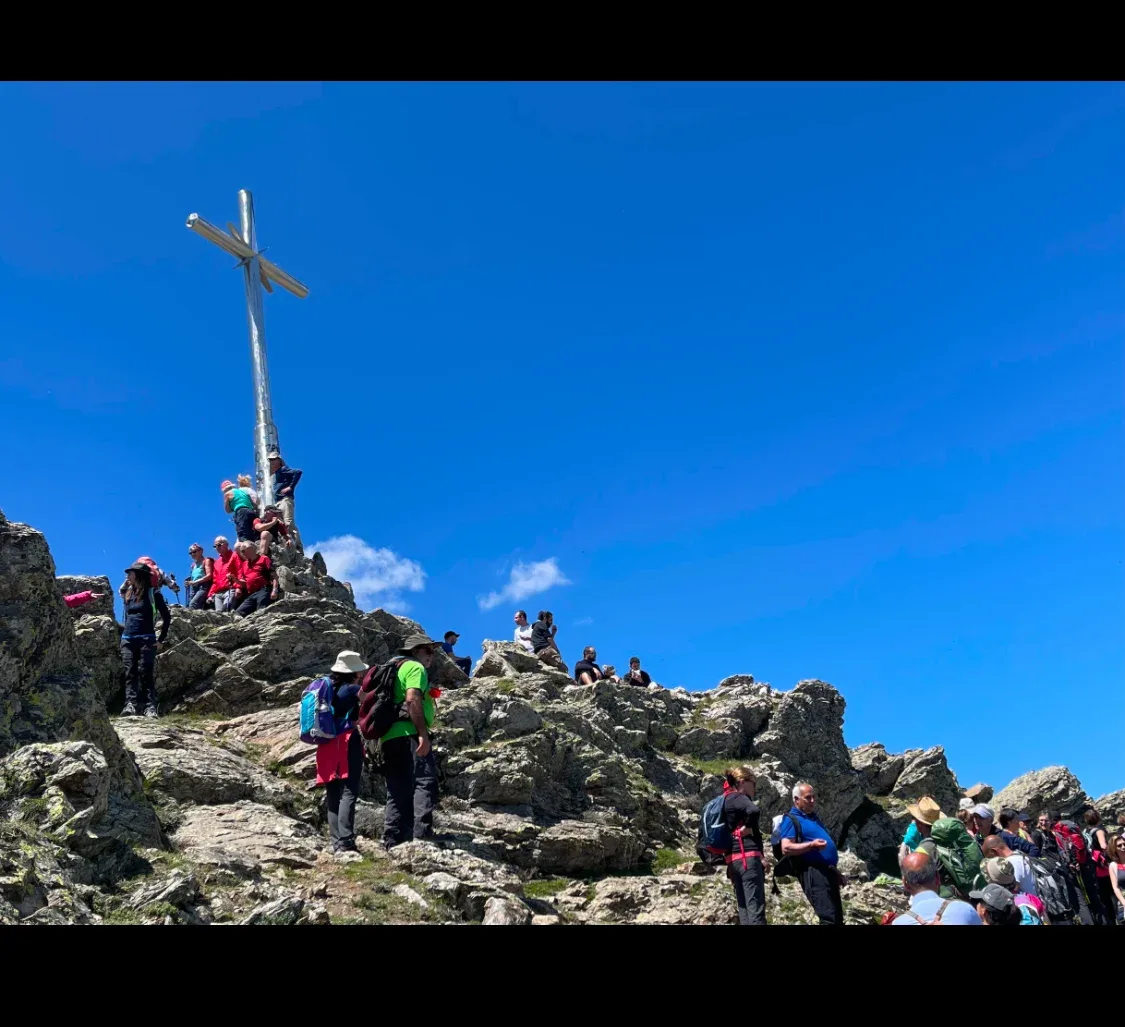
[285, 478]
[1017, 844]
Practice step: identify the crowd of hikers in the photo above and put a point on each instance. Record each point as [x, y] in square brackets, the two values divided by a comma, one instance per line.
[968, 869]
[238, 579]
[971, 868]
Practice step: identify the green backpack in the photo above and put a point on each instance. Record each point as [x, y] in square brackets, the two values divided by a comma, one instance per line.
[959, 855]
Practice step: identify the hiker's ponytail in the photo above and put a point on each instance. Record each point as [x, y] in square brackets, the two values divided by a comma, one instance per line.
[736, 775]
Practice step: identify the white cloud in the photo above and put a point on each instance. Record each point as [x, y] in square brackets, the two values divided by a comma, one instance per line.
[527, 579]
[378, 576]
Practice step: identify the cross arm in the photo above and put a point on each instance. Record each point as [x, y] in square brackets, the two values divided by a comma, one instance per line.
[238, 248]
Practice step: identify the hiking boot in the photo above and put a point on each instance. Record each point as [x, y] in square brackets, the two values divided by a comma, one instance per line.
[130, 710]
[150, 712]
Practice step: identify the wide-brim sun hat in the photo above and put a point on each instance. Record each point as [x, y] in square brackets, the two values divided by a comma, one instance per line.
[414, 641]
[926, 810]
[348, 662]
[140, 568]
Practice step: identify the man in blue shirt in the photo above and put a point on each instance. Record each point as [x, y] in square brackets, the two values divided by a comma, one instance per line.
[921, 878]
[816, 854]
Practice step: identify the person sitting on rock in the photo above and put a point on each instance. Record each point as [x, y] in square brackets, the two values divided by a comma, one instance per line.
[923, 815]
[523, 631]
[543, 642]
[256, 578]
[408, 759]
[636, 676]
[464, 662]
[586, 670]
[82, 598]
[745, 870]
[921, 879]
[199, 577]
[270, 526]
[241, 507]
[139, 642]
[817, 856]
[339, 762]
[224, 578]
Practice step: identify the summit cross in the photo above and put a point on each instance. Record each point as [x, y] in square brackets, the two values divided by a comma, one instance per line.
[258, 272]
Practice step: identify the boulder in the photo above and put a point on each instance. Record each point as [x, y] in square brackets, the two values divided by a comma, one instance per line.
[1111, 806]
[506, 912]
[99, 647]
[925, 772]
[1053, 788]
[188, 765]
[880, 770]
[46, 692]
[980, 792]
[245, 834]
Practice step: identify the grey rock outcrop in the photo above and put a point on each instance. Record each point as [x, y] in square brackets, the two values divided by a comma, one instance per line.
[925, 772]
[1111, 806]
[1053, 788]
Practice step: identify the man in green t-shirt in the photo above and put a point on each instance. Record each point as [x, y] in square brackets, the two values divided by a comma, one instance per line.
[407, 757]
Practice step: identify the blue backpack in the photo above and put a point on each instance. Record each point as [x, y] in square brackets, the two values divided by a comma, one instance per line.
[318, 723]
[715, 839]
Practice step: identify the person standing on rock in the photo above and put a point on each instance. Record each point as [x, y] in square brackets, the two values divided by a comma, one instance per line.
[240, 506]
[339, 762]
[223, 576]
[744, 862]
[921, 879]
[523, 631]
[199, 577]
[284, 485]
[543, 642]
[408, 758]
[816, 854]
[139, 642]
[256, 578]
[586, 670]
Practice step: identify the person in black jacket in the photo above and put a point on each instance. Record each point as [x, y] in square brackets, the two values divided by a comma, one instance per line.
[744, 864]
[139, 643]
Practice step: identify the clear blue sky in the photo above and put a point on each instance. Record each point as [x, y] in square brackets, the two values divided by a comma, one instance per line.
[795, 380]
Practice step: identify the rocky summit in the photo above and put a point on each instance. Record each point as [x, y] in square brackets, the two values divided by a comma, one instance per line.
[560, 804]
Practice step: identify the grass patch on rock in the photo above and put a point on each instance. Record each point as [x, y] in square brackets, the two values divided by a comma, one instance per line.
[546, 888]
[667, 860]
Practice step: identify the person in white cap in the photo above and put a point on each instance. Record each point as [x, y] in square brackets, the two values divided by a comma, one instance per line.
[284, 485]
[339, 762]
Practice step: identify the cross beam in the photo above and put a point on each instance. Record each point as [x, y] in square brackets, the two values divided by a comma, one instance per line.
[258, 272]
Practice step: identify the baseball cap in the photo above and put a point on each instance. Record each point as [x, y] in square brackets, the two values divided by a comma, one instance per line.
[453, 633]
[965, 803]
[1024, 816]
[994, 896]
[984, 811]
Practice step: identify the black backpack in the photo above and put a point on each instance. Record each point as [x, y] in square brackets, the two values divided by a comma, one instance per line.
[378, 711]
[785, 866]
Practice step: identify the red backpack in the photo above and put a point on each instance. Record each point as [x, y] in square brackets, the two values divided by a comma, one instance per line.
[1072, 846]
[156, 576]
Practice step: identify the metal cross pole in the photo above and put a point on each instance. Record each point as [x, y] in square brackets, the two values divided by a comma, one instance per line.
[259, 272]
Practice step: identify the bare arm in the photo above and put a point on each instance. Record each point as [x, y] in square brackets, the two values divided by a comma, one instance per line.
[792, 848]
[418, 719]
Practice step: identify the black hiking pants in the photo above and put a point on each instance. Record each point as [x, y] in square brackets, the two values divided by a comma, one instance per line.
[341, 795]
[139, 657]
[821, 886]
[412, 792]
[749, 881]
[255, 601]
[1093, 895]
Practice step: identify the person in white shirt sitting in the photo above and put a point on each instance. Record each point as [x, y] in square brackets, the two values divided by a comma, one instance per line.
[523, 630]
